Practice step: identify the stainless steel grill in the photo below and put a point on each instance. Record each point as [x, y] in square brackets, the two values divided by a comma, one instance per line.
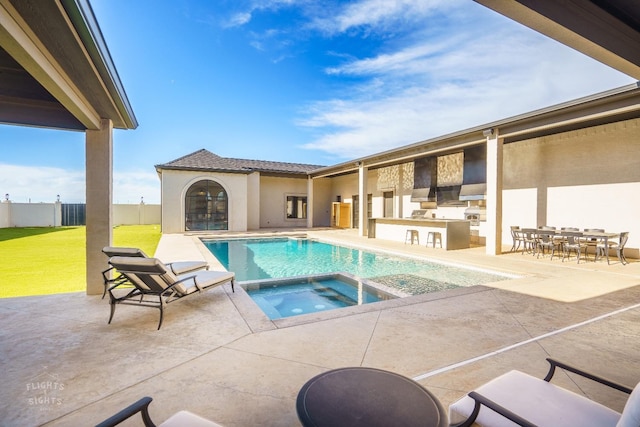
[475, 214]
[419, 213]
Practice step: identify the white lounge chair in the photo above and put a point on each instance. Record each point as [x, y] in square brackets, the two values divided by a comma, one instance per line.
[516, 398]
[179, 419]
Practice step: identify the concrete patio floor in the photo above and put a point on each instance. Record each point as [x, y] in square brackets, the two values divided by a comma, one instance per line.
[218, 356]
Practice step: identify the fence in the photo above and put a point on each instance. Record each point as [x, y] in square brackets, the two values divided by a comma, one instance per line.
[74, 214]
[58, 214]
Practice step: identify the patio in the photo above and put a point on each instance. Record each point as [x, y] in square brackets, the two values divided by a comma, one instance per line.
[63, 365]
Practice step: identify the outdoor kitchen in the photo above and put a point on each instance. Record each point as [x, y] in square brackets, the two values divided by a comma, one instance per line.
[451, 190]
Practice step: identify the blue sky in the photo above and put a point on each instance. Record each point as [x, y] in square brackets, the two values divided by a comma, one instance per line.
[317, 82]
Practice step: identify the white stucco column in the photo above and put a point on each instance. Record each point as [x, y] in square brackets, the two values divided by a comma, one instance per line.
[400, 192]
[309, 202]
[362, 197]
[99, 194]
[494, 193]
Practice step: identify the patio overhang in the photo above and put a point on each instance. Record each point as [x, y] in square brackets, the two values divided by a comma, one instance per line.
[56, 69]
[56, 72]
[607, 31]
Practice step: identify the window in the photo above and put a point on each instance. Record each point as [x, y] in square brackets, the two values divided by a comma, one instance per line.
[206, 207]
[388, 204]
[296, 207]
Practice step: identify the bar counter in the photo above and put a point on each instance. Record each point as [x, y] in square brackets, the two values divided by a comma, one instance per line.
[456, 233]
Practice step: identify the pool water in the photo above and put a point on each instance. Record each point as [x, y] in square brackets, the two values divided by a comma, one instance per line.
[292, 297]
[254, 259]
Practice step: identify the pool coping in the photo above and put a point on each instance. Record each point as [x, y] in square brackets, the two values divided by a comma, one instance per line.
[258, 321]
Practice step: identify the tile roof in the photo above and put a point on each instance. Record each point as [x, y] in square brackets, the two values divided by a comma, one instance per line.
[205, 160]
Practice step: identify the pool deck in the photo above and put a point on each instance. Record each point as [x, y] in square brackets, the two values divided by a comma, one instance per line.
[218, 356]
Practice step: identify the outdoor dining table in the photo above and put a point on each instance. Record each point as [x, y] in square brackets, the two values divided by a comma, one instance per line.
[370, 397]
[598, 235]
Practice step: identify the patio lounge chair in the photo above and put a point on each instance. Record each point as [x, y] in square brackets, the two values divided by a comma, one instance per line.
[179, 267]
[179, 419]
[516, 398]
[155, 285]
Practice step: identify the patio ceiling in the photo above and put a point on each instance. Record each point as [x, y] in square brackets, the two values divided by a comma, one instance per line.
[55, 68]
[606, 30]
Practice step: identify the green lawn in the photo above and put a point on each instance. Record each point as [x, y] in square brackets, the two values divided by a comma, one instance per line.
[48, 260]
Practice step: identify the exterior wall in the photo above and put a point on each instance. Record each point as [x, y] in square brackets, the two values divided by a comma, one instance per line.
[50, 214]
[136, 214]
[587, 179]
[273, 201]
[398, 178]
[31, 214]
[175, 185]
[5, 215]
[253, 201]
[322, 199]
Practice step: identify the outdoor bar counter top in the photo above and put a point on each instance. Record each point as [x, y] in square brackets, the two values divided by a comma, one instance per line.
[455, 232]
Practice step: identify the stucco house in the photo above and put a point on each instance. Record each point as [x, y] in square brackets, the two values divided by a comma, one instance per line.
[203, 191]
[575, 164]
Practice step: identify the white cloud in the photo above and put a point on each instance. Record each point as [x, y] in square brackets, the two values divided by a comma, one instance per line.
[379, 14]
[244, 17]
[31, 184]
[130, 186]
[441, 85]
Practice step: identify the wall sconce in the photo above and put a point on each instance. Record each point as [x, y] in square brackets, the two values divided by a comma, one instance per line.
[487, 132]
[358, 164]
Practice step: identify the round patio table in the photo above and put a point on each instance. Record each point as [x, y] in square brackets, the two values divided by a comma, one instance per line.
[367, 397]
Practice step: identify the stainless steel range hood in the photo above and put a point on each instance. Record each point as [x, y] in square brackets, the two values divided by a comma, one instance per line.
[473, 192]
[474, 182]
[423, 195]
[425, 171]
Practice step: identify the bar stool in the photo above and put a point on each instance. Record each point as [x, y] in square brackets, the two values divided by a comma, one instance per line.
[432, 236]
[410, 235]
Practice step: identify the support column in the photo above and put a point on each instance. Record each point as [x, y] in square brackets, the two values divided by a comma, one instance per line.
[494, 193]
[99, 191]
[400, 191]
[309, 203]
[362, 197]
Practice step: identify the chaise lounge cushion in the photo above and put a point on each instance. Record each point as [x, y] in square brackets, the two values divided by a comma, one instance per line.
[536, 400]
[156, 273]
[186, 418]
[203, 279]
[631, 413]
[177, 267]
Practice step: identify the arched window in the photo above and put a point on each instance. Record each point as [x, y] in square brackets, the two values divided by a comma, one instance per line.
[206, 207]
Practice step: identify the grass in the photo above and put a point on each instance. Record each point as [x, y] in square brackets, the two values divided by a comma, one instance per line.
[48, 260]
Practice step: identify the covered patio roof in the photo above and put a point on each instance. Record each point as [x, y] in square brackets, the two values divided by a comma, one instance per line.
[56, 72]
[606, 30]
[56, 69]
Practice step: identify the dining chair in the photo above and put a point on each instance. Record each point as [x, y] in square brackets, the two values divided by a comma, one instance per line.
[529, 240]
[602, 250]
[592, 242]
[517, 237]
[547, 241]
[573, 243]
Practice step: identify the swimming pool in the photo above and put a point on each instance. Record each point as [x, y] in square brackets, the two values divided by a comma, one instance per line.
[268, 258]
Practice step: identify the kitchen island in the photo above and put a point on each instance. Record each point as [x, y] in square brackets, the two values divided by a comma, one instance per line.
[455, 232]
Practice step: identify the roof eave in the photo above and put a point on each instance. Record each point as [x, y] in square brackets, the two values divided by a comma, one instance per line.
[84, 21]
